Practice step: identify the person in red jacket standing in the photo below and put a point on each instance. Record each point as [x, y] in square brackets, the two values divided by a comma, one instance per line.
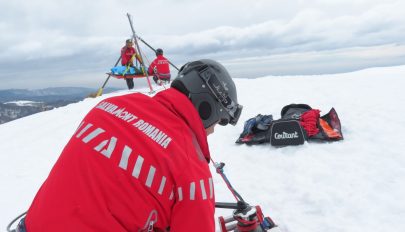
[128, 53]
[159, 68]
[139, 163]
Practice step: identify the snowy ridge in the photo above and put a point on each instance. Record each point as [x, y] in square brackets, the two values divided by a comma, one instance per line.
[24, 103]
[352, 185]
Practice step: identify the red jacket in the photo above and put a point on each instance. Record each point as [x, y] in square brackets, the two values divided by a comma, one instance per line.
[126, 54]
[162, 66]
[130, 157]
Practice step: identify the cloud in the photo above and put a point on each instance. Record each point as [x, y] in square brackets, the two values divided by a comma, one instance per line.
[309, 30]
[78, 36]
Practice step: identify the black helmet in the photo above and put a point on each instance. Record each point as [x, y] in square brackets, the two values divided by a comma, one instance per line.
[211, 90]
[159, 51]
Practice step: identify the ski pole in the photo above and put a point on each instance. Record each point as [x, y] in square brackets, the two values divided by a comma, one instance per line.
[219, 167]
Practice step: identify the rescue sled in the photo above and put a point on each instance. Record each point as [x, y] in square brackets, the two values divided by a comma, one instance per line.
[126, 76]
[124, 72]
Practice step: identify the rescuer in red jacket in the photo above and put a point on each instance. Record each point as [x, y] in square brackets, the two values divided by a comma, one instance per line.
[128, 53]
[140, 163]
[159, 68]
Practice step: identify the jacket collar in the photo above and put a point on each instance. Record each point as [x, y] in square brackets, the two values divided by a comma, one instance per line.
[180, 105]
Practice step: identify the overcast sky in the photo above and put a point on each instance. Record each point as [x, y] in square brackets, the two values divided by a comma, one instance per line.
[48, 43]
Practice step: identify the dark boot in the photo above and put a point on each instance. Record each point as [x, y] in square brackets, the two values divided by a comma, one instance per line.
[155, 79]
[130, 83]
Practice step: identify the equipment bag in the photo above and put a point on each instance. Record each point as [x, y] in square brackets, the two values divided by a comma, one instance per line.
[321, 128]
[329, 127]
[294, 111]
[299, 122]
[286, 132]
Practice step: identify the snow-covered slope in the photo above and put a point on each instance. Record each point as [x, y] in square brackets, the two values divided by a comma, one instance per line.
[353, 185]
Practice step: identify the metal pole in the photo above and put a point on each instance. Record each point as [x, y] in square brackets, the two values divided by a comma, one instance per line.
[143, 41]
[109, 75]
[100, 90]
[139, 50]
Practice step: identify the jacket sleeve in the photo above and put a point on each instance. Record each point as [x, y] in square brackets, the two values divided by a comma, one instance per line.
[123, 57]
[194, 206]
[151, 67]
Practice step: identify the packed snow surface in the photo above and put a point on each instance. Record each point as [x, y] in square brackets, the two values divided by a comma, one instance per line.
[354, 185]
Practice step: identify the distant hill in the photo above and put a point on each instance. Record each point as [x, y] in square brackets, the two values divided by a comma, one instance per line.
[17, 103]
[48, 94]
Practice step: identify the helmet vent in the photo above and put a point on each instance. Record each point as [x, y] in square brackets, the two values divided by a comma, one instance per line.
[204, 109]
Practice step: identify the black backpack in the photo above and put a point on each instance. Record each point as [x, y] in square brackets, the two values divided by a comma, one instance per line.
[287, 130]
